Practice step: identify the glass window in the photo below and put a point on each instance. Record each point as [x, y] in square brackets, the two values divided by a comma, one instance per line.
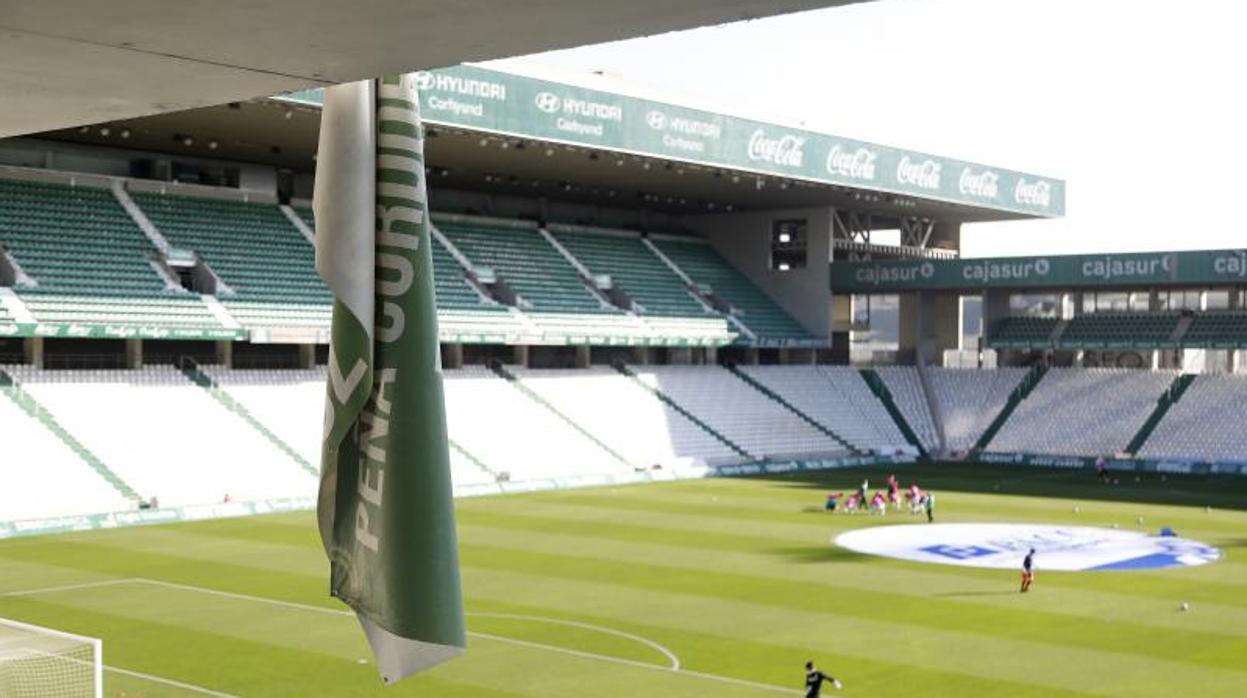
[971, 321]
[1112, 302]
[1218, 299]
[788, 244]
[1045, 305]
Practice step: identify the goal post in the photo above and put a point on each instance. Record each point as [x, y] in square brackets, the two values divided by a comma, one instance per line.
[37, 661]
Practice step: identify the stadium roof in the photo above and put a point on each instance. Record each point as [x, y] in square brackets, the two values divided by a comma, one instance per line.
[520, 108]
[603, 141]
[71, 62]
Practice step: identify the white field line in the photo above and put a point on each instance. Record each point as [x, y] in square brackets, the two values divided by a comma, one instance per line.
[675, 661]
[118, 670]
[675, 667]
[67, 587]
[169, 682]
[487, 636]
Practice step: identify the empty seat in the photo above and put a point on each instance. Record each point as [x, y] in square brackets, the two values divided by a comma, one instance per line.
[1207, 422]
[837, 398]
[1088, 412]
[707, 268]
[740, 412]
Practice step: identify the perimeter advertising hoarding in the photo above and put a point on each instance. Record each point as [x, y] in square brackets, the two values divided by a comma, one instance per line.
[1204, 267]
[481, 99]
[114, 331]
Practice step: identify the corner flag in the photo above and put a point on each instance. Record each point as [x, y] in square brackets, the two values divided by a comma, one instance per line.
[385, 509]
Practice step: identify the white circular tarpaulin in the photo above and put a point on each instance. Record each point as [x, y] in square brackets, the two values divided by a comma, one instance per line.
[1003, 545]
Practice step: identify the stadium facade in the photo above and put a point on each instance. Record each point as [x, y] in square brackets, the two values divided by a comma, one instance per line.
[629, 288]
[765, 205]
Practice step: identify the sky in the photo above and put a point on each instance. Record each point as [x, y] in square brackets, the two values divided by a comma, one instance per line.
[1139, 105]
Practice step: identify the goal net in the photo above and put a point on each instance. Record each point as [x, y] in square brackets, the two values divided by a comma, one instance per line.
[40, 662]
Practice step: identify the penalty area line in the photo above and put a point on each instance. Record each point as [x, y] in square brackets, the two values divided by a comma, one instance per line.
[169, 682]
[113, 669]
[674, 667]
[496, 638]
[671, 657]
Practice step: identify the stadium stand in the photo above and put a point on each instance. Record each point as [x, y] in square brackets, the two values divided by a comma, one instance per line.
[657, 294]
[701, 263]
[43, 476]
[836, 397]
[1087, 412]
[1120, 331]
[1217, 330]
[1207, 422]
[906, 387]
[288, 402]
[461, 309]
[970, 399]
[526, 262]
[509, 432]
[550, 290]
[1023, 332]
[94, 265]
[89, 259]
[183, 447]
[741, 412]
[254, 249]
[641, 428]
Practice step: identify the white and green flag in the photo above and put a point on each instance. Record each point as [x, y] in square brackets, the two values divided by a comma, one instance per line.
[385, 509]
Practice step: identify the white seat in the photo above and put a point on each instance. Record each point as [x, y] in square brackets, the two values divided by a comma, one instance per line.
[836, 397]
[742, 413]
[1208, 422]
[1082, 411]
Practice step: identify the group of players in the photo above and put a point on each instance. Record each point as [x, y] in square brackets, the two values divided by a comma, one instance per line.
[918, 499]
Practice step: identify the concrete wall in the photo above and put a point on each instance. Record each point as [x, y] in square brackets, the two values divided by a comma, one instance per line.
[744, 239]
[930, 324]
[995, 308]
[115, 162]
[532, 208]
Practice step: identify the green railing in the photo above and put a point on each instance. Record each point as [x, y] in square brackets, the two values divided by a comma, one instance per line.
[31, 406]
[622, 368]
[497, 367]
[793, 409]
[880, 389]
[1167, 399]
[1020, 393]
[191, 370]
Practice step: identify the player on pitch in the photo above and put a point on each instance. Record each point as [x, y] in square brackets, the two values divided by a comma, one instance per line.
[814, 681]
[1028, 572]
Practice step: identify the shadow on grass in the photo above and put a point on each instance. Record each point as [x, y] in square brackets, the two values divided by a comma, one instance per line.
[1216, 491]
[971, 594]
[819, 554]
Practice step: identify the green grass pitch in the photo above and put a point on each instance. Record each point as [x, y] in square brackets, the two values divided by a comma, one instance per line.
[597, 592]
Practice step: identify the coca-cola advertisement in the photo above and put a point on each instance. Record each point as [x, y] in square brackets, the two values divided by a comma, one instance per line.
[784, 151]
[924, 174]
[985, 184]
[858, 163]
[1037, 193]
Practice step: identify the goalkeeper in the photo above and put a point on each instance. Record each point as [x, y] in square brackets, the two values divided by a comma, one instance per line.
[814, 681]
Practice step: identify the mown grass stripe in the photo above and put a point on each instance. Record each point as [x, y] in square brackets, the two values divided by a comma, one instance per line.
[737, 577]
[773, 663]
[723, 525]
[951, 648]
[847, 602]
[837, 571]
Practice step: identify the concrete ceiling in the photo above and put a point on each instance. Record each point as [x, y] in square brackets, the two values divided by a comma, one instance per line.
[72, 62]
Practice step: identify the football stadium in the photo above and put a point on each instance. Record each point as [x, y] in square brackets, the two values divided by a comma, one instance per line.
[648, 398]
